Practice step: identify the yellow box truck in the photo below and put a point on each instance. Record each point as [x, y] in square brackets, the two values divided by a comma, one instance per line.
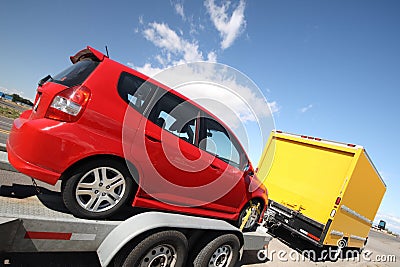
[323, 191]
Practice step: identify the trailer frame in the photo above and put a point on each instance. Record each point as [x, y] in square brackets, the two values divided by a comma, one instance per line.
[32, 224]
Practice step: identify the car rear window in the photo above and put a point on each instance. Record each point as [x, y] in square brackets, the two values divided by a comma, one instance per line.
[76, 74]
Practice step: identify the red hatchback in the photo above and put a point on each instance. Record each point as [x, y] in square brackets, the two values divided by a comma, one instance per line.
[114, 136]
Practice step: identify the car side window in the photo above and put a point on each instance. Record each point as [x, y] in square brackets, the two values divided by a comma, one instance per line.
[135, 91]
[219, 142]
[176, 116]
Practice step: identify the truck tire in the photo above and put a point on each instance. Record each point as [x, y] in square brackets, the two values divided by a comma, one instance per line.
[223, 251]
[251, 224]
[97, 189]
[167, 248]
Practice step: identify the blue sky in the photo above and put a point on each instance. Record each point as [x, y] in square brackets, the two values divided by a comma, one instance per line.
[328, 68]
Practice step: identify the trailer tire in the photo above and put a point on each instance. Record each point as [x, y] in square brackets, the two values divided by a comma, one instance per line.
[171, 246]
[106, 185]
[222, 251]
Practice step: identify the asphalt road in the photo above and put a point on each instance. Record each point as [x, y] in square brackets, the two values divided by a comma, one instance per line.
[381, 250]
[5, 127]
[6, 123]
[284, 250]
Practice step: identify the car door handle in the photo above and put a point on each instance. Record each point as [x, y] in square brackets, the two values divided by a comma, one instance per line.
[214, 167]
[152, 138]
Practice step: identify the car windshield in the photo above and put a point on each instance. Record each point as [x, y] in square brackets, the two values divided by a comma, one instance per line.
[75, 74]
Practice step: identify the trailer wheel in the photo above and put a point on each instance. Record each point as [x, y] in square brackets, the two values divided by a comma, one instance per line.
[223, 251]
[167, 248]
[97, 189]
[255, 208]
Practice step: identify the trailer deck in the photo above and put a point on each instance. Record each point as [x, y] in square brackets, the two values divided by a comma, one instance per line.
[38, 222]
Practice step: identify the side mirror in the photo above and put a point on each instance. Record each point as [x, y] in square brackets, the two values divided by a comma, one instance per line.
[246, 169]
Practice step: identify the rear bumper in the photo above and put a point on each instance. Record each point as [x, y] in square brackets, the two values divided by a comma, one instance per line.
[43, 148]
[296, 222]
[30, 169]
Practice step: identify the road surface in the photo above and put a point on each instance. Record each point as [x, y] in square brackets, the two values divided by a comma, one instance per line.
[6, 123]
[5, 127]
[13, 105]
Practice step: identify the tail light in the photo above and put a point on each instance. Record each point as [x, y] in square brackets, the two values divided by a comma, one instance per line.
[69, 104]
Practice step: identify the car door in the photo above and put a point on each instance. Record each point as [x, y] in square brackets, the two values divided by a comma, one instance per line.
[137, 94]
[173, 169]
[227, 162]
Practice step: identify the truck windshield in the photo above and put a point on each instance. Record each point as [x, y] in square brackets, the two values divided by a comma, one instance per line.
[76, 74]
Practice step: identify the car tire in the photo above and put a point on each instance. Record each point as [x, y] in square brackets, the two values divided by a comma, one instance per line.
[97, 189]
[252, 223]
[221, 251]
[170, 247]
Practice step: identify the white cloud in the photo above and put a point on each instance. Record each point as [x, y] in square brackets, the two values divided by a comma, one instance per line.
[175, 49]
[274, 107]
[212, 57]
[229, 87]
[231, 27]
[222, 90]
[233, 103]
[141, 20]
[238, 96]
[305, 109]
[210, 84]
[147, 69]
[179, 10]
[201, 27]
[162, 36]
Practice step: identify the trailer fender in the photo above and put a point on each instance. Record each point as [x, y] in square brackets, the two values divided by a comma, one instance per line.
[150, 221]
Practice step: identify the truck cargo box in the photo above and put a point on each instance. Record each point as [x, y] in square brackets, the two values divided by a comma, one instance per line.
[323, 191]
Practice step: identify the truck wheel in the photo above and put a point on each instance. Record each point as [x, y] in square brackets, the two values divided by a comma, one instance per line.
[223, 251]
[98, 189]
[255, 208]
[167, 248]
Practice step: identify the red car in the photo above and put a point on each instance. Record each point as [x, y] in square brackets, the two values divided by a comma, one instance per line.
[113, 136]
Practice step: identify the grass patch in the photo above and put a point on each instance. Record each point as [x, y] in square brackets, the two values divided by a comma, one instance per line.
[9, 112]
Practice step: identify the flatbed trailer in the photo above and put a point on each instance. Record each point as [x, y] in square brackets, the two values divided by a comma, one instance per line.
[31, 223]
